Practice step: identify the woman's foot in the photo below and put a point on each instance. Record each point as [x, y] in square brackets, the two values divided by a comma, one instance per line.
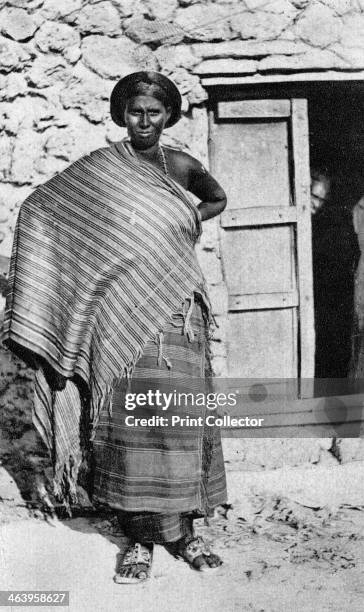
[197, 553]
[135, 565]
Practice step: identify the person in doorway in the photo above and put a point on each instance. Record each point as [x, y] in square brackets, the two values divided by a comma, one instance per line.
[334, 248]
[106, 293]
[357, 354]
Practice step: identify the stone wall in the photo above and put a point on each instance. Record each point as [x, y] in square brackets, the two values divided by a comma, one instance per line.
[59, 60]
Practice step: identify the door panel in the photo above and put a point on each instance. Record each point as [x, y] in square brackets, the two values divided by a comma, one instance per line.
[245, 145]
[259, 260]
[259, 153]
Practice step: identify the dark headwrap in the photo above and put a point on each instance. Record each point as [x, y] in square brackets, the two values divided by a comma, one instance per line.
[145, 84]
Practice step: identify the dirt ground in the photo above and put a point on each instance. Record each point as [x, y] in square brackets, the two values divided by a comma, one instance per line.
[291, 539]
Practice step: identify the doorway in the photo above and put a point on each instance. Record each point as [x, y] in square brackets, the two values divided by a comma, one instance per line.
[335, 141]
[336, 134]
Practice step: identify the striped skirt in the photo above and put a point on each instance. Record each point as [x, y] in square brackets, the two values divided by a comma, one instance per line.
[159, 477]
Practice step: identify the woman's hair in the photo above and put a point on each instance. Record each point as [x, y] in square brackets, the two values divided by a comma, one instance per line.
[145, 88]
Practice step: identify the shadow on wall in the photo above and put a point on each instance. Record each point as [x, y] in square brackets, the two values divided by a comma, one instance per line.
[22, 451]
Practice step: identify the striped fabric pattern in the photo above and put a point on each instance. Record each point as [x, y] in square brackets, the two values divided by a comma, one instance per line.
[162, 469]
[103, 255]
[156, 527]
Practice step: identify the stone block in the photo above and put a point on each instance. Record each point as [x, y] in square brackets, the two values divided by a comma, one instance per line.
[46, 113]
[352, 33]
[6, 147]
[254, 5]
[56, 37]
[100, 18]
[4, 217]
[59, 143]
[281, 7]
[115, 57]
[318, 26]
[90, 96]
[227, 66]
[260, 25]
[8, 122]
[246, 48]
[29, 113]
[205, 22]
[161, 9]
[354, 57]
[72, 54]
[54, 9]
[342, 6]
[86, 137]
[189, 86]
[27, 149]
[46, 167]
[180, 56]
[12, 86]
[145, 60]
[348, 449]
[12, 197]
[12, 55]
[197, 94]
[17, 24]
[300, 4]
[314, 60]
[48, 70]
[143, 30]
[127, 8]
[29, 5]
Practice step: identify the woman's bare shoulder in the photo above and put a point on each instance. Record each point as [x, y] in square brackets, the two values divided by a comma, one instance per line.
[185, 161]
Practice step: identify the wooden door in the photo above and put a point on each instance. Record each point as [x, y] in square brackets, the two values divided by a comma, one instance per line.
[259, 153]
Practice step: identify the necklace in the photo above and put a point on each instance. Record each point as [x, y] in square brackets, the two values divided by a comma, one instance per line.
[161, 158]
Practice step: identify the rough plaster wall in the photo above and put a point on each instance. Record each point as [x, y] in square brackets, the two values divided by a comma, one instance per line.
[59, 60]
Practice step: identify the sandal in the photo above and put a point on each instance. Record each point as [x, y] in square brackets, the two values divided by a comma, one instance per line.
[135, 565]
[197, 553]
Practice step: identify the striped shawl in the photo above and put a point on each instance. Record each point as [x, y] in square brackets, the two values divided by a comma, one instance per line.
[103, 255]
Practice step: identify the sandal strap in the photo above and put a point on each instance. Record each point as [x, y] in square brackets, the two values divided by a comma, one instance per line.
[137, 554]
[195, 548]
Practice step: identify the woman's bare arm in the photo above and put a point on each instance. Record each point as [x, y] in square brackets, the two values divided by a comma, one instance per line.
[205, 187]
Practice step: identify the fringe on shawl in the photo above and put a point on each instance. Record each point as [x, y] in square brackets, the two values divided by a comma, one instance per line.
[65, 475]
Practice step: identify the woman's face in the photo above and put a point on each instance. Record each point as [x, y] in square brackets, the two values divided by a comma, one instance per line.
[145, 118]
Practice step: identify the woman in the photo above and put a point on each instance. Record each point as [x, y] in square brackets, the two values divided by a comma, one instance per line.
[107, 293]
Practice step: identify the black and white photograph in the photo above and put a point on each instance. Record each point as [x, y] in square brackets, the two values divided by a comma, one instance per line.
[182, 305]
